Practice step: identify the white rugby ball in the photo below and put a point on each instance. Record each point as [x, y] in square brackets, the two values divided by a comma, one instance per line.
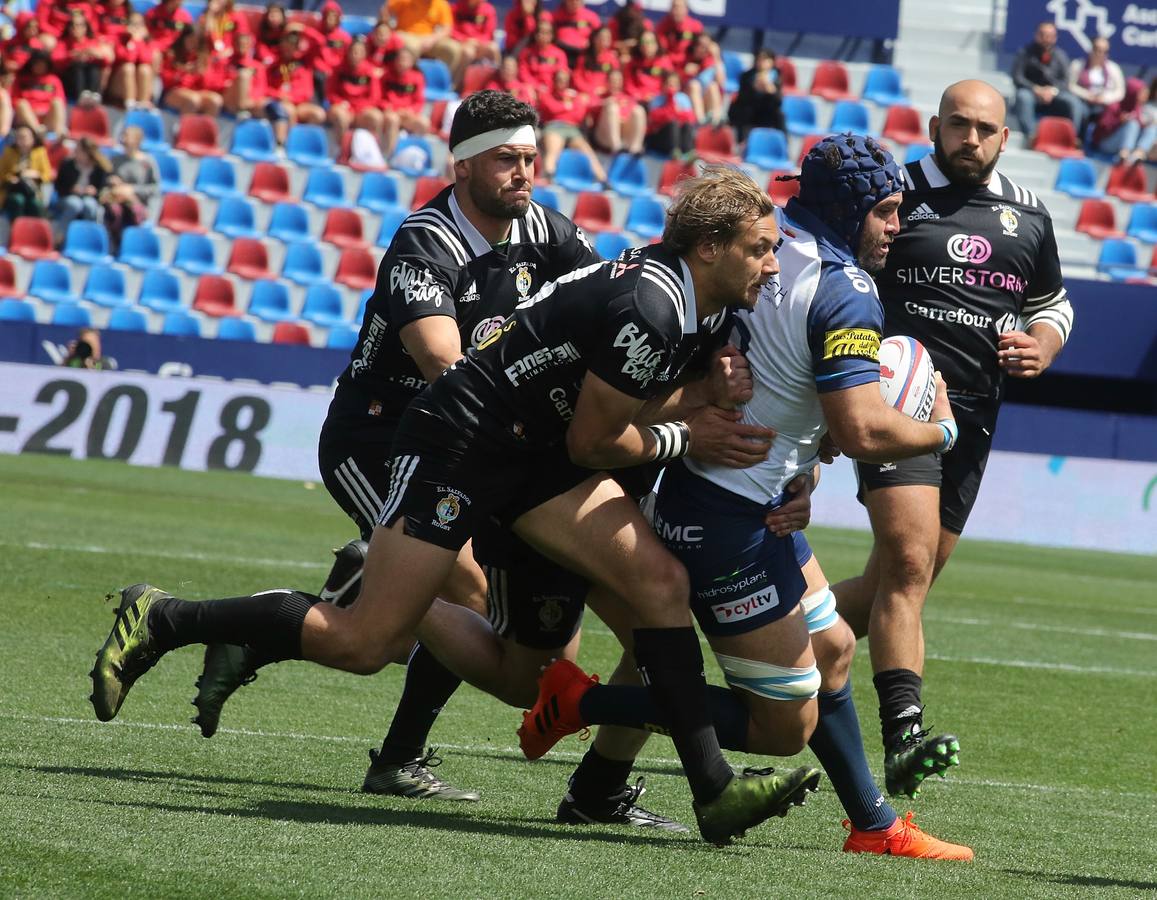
[907, 376]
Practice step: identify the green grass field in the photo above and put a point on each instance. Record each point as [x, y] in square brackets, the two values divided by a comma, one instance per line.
[1044, 662]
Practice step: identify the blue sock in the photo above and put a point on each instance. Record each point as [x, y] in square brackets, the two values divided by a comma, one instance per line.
[633, 707]
[840, 749]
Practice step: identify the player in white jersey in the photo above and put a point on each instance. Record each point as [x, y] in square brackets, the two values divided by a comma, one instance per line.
[812, 347]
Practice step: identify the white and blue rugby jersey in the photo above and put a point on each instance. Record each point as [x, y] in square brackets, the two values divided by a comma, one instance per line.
[815, 329]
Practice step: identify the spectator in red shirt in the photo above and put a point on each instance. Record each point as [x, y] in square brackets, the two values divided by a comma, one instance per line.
[354, 92]
[702, 73]
[600, 59]
[270, 30]
[475, 22]
[573, 26]
[627, 26]
[38, 97]
[247, 90]
[27, 40]
[622, 121]
[647, 69]
[563, 111]
[334, 39]
[114, 20]
[290, 86]
[84, 59]
[6, 114]
[381, 45]
[54, 15]
[671, 120]
[182, 68]
[507, 79]
[220, 24]
[520, 23]
[134, 65]
[677, 30]
[166, 22]
[541, 58]
[403, 96]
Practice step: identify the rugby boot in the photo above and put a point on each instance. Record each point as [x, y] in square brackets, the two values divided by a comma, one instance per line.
[619, 808]
[903, 838]
[915, 756]
[226, 668]
[412, 779]
[345, 578]
[753, 797]
[127, 653]
[556, 712]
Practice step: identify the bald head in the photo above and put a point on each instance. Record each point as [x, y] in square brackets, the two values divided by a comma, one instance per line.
[975, 98]
[969, 133]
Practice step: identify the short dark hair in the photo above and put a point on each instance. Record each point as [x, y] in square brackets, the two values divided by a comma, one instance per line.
[486, 110]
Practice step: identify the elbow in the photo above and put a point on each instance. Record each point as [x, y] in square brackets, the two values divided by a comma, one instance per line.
[855, 441]
[582, 450]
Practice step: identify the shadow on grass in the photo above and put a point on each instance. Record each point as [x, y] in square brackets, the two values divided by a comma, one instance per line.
[145, 775]
[1086, 880]
[564, 762]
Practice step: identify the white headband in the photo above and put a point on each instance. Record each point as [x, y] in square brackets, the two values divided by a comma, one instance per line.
[488, 140]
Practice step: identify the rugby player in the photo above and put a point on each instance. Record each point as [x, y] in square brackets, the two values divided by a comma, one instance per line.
[975, 276]
[812, 344]
[519, 430]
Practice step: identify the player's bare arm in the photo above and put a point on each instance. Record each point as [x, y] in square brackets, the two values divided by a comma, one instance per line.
[433, 343]
[867, 429]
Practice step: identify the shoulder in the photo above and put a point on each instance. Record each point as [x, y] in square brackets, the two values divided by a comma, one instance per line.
[1013, 194]
[430, 233]
[657, 290]
[553, 226]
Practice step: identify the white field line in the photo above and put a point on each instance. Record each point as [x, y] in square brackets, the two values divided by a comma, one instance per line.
[1036, 626]
[166, 554]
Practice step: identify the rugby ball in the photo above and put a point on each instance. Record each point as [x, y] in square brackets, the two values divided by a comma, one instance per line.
[907, 377]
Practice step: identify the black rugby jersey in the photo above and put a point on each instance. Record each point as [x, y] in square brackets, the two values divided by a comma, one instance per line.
[440, 265]
[632, 321]
[968, 265]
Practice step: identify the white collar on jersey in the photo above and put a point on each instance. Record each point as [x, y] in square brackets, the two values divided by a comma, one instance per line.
[479, 246]
[691, 312]
[937, 179]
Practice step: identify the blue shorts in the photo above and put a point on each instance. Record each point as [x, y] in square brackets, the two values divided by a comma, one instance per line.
[742, 576]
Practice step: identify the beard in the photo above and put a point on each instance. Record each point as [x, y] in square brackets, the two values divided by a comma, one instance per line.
[495, 206]
[867, 258]
[962, 171]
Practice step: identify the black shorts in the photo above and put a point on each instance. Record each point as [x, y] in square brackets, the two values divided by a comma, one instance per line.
[353, 455]
[957, 473]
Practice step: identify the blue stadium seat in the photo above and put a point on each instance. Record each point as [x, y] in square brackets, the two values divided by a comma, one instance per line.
[73, 315]
[323, 305]
[216, 177]
[883, 86]
[799, 115]
[170, 171]
[357, 26]
[767, 148]
[269, 302]
[1118, 260]
[128, 318]
[391, 221]
[628, 176]
[160, 291]
[574, 172]
[195, 255]
[308, 145]
[181, 323]
[733, 67]
[289, 223]
[646, 217]
[150, 122]
[610, 244]
[916, 152]
[140, 248]
[86, 242]
[547, 197]
[325, 188]
[850, 115]
[1143, 223]
[413, 156]
[439, 83]
[232, 328]
[236, 218]
[362, 301]
[253, 141]
[303, 263]
[106, 286]
[342, 337]
[12, 309]
[52, 281]
[1078, 178]
[378, 192]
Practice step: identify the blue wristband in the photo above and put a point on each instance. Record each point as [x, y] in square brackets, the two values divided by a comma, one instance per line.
[951, 433]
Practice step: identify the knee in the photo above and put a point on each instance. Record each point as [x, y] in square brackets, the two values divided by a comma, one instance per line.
[788, 734]
[834, 649]
[666, 583]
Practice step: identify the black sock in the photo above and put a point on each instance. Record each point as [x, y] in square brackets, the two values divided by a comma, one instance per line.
[899, 693]
[598, 777]
[269, 622]
[671, 664]
[635, 707]
[429, 685]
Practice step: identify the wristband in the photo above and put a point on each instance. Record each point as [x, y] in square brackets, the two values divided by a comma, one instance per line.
[951, 433]
[672, 440]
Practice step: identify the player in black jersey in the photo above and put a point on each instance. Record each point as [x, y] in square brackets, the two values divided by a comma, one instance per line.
[975, 276]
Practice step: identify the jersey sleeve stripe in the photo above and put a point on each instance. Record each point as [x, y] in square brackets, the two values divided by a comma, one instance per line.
[666, 289]
[662, 275]
[434, 227]
[436, 219]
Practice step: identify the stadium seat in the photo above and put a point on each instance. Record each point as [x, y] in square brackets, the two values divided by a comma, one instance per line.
[1098, 219]
[289, 222]
[363, 301]
[609, 244]
[1078, 178]
[105, 286]
[437, 115]
[8, 279]
[152, 126]
[733, 67]
[291, 333]
[593, 212]
[323, 305]
[767, 148]
[475, 78]
[646, 217]
[72, 315]
[343, 156]
[627, 176]
[90, 122]
[716, 144]
[236, 218]
[1129, 183]
[303, 263]
[195, 255]
[140, 248]
[253, 141]
[673, 171]
[378, 192]
[830, 81]
[216, 177]
[426, 188]
[782, 191]
[52, 281]
[1056, 136]
[86, 242]
[236, 329]
[356, 269]
[902, 124]
[342, 337]
[170, 171]
[850, 115]
[574, 172]
[198, 136]
[181, 323]
[547, 197]
[809, 141]
[269, 302]
[916, 152]
[392, 220]
[181, 213]
[31, 237]
[325, 188]
[1143, 223]
[270, 183]
[249, 259]
[160, 291]
[128, 318]
[439, 83]
[215, 297]
[1119, 261]
[308, 145]
[13, 309]
[799, 115]
[344, 228]
[883, 86]
[788, 79]
[413, 156]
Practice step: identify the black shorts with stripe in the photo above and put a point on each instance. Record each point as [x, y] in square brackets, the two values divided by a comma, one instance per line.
[353, 455]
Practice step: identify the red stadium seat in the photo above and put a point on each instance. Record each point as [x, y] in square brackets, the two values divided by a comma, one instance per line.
[426, 188]
[831, 81]
[437, 114]
[343, 156]
[356, 269]
[809, 141]
[8, 279]
[475, 78]
[716, 145]
[181, 213]
[1098, 219]
[198, 135]
[1153, 263]
[31, 238]
[903, 125]
[1056, 136]
[90, 122]
[270, 183]
[788, 81]
[249, 259]
[291, 333]
[1129, 183]
[782, 191]
[343, 227]
[673, 171]
[214, 296]
[592, 212]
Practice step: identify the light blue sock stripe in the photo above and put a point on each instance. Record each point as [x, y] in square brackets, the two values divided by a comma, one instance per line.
[822, 616]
